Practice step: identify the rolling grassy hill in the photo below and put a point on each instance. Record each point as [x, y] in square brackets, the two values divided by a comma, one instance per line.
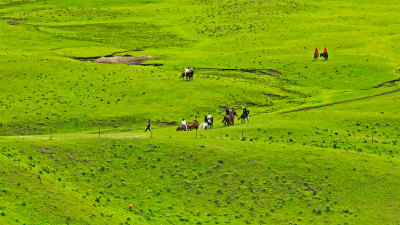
[333, 164]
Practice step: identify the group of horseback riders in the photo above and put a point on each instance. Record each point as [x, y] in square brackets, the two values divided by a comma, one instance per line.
[229, 118]
[325, 54]
[209, 120]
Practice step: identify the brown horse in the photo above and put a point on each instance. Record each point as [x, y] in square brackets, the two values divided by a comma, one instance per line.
[315, 55]
[181, 128]
[193, 126]
[228, 120]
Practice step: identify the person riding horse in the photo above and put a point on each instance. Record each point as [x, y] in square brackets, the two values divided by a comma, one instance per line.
[245, 115]
[316, 54]
[245, 112]
[325, 54]
[184, 123]
[209, 120]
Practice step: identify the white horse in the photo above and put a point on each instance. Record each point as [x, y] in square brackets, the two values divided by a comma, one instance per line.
[204, 126]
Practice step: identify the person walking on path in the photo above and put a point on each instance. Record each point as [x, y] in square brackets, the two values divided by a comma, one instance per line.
[148, 127]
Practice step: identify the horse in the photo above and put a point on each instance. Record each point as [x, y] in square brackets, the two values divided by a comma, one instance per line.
[192, 126]
[228, 120]
[181, 128]
[189, 75]
[325, 55]
[204, 126]
[315, 55]
[210, 123]
[243, 118]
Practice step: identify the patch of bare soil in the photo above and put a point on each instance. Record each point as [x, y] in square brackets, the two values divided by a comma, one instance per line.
[262, 71]
[128, 60]
[165, 123]
[13, 21]
[271, 95]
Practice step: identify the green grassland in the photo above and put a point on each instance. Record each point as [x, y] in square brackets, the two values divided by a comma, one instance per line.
[336, 164]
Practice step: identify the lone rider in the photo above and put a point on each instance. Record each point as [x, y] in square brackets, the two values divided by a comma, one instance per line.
[227, 112]
[184, 123]
[326, 51]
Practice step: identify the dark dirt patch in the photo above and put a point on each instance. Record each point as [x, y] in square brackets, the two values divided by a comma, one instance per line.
[13, 21]
[163, 123]
[152, 64]
[272, 95]
[388, 83]
[46, 150]
[262, 71]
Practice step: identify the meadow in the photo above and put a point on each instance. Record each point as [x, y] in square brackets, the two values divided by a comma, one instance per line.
[321, 146]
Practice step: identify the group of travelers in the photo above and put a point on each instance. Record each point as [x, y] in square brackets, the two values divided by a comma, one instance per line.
[184, 123]
[188, 70]
[208, 120]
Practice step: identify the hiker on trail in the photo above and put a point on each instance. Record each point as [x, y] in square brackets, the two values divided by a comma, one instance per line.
[148, 127]
[184, 123]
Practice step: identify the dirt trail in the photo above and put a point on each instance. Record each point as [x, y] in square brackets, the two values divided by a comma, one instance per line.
[262, 71]
[340, 102]
[128, 60]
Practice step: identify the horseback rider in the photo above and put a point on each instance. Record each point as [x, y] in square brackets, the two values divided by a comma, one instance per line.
[187, 70]
[245, 112]
[232, 114]
[209, 117]
[184, 123]
[326, 51]
[227, 112]
[316, 51]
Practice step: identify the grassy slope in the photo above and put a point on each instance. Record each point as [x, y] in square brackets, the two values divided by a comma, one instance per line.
[268, 35]
[170, 178]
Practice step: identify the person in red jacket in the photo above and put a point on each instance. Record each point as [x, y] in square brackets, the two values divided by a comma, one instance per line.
[326, 50]
[316, 54]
